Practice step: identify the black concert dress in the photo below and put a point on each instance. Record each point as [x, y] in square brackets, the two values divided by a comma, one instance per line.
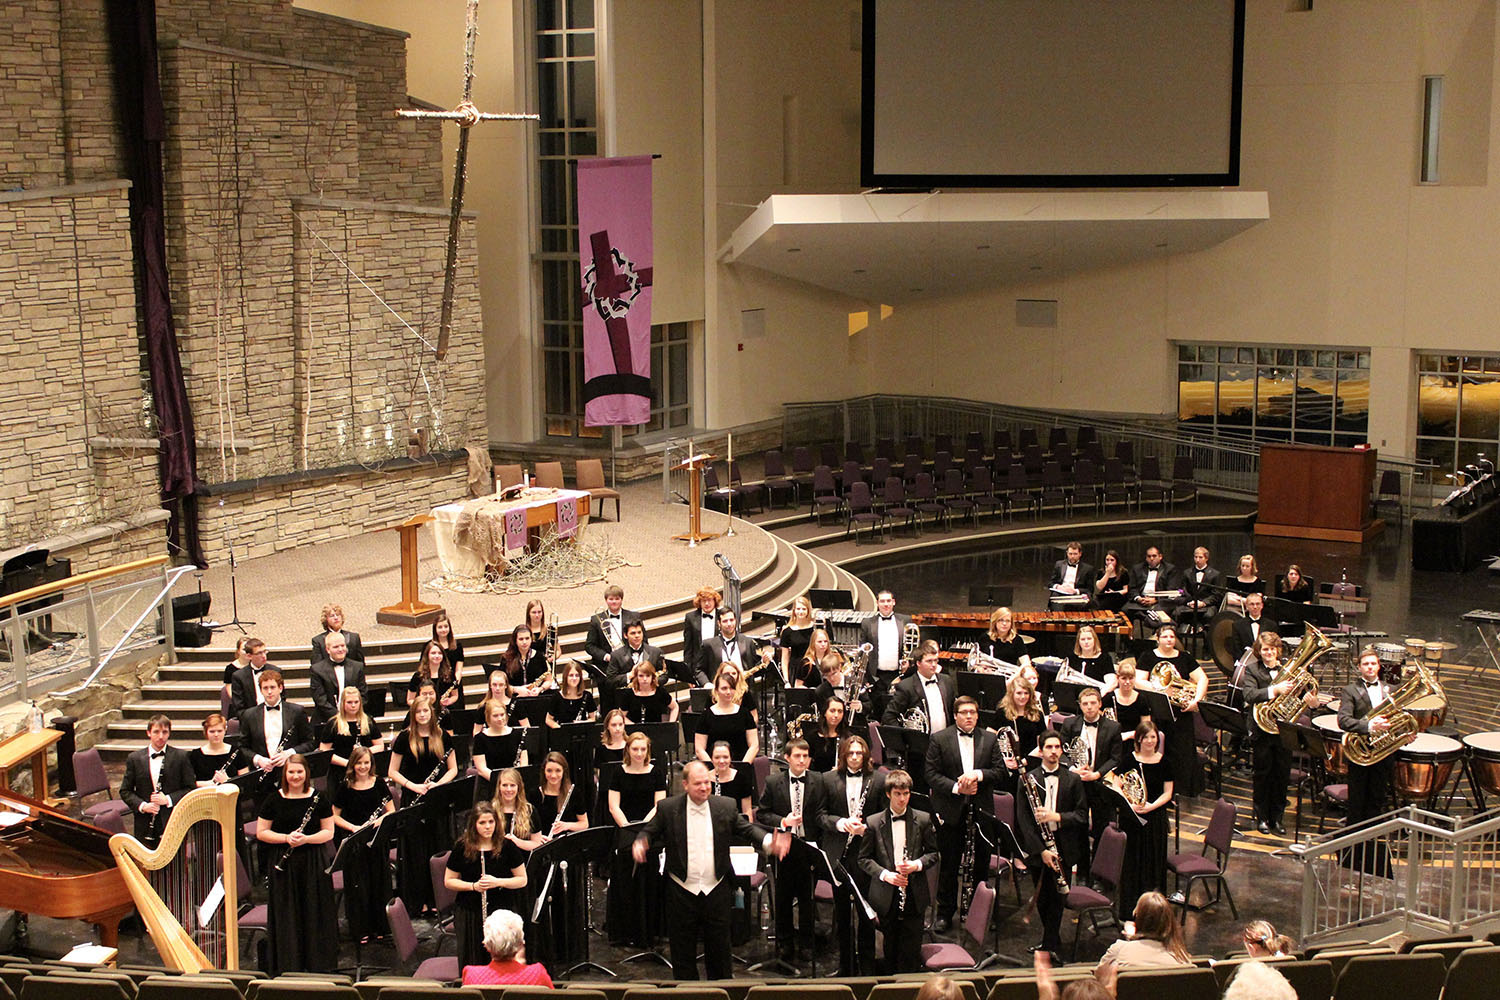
[796, 640]
[824, 749]
[343, 745]
[606, 765]
[633, 907]
[1113, 597]
[206, 765]
[1029, 732]
[1009, 650]
[1145, 844]
[300, 915]
[568, 907]
[469, 910]
[1096, 667]
[566, 710]
[1179, 734]
[645, 708]
[455, 656]
[367, 873]
[729, 727]
[1302, 593]
[421, 838]
[1128, 716]
[738, 788]
[500, 751]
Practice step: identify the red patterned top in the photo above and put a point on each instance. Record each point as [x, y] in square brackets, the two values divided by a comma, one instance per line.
[507, 974]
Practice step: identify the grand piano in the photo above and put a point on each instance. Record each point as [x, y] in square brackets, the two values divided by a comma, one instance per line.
[56, 866]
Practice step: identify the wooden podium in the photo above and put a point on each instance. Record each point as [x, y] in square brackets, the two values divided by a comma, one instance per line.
[411, 612]
[694, 465]
[1307, 491]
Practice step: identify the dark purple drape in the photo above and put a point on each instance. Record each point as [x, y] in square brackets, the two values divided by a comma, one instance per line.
[132, 32]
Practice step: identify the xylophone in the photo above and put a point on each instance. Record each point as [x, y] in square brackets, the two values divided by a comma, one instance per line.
[1104, 622]
[843, 624]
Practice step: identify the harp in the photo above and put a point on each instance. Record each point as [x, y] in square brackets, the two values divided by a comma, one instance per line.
[187, 888]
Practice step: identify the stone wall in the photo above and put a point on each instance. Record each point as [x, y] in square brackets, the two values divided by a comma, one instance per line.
[283, 512]
[31, 150]
[69, 350]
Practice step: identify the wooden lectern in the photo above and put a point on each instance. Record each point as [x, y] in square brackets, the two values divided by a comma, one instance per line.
[1313, 491]
[694, 465]
[411, 612]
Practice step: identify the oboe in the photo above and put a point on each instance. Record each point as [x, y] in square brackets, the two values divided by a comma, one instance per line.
[1049, 842]
[312, 805]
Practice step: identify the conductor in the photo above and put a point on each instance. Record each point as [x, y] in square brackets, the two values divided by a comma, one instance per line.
[696, 828]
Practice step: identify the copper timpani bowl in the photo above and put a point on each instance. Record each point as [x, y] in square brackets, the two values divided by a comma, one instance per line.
[1484, 760]
[1424, 765]
[1333, 741]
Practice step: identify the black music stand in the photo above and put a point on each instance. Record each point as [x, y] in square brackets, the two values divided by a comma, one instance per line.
[448, 800]
[1002, 843]
[532, 708]
[576, 741]
[374, 837]
[570, 856]
[1223, 719]
[699, 698]
[911, 746]
[459, 724]
[987, 689]
[858, 904]
[1065, 696]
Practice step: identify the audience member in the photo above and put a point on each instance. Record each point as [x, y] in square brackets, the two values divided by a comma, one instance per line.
[505, 940]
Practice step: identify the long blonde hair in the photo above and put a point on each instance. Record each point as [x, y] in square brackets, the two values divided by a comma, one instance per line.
[435, 741]
[341, 724]
[521, 824]
[1008, 703]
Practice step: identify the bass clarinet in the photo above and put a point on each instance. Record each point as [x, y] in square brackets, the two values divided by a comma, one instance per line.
[1049, 842]
[312, 806]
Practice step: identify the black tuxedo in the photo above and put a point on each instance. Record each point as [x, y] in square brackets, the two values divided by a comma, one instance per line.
[1243, 635]
[944, 764]
[794, 874]
[325, 686]
[692, 635]
[877, 855]
[1071, 837]
[1166, 579]
[908, 695]
[1083, 580]
[1368, 784]
[297, 732]
[176, 780]
[842, 848]
[869, 630]
[1273, 761]
[713, 652]
[690, 915]
[356, 648]
[619, 666]
[598, 643]
[243, 690]
[1109, 751]
[1207, 592]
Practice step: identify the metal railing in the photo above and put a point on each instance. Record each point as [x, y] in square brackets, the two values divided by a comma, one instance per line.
[1222, 463]
[63, 634]
[1444, 875]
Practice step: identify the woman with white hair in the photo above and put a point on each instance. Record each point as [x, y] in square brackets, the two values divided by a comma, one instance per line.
[505, 940]
[1255, 980]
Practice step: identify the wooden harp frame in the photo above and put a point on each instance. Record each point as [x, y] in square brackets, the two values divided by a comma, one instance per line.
[176, 946]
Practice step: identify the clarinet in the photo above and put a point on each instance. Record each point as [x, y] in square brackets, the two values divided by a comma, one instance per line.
[155, 787]
[442, 765]
[1049, 842]
[286, 734]
[901, 889]
[374, 818]
[312, 806]
[859, 811]
[234, 755]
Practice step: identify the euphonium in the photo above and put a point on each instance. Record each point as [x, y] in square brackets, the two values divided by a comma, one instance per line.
[1372, 748]
[982, 663]
[1299, 678]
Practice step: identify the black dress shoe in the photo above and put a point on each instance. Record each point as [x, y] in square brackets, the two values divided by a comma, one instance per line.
[943, 925]
[1264, 827]
[1278, 829]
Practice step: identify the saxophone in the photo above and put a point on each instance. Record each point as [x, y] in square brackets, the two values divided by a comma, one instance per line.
[1301, 683]
[1372, 748]
[1049, 842]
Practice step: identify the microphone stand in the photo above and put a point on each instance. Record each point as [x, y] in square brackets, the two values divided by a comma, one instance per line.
[234, 596]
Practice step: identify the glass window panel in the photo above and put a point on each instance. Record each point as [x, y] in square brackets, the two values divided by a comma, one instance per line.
[1226, 355]
[584, 431]
[1347, 440]
[1469, 451]
[1195, 395]
[658, 357]
[1346, 359]
[550, 100]
[555, 239]
[559, 426]
[1473, 364]
[1276, 389]
[679, 418]
[1187, 352]
[580, 13]
[1492, 364]
[554, 192]
[1245, 356]
[1364, 360]
[549, 46]
[1265, 355]
[1429, 363]
[677, 363]
[1314, 400]
[581, 44]
[1479, 409]
[1285, 356]
[559, 381]
[1307, 358]
[553, 143]
[1437, 406]
[1327, 358]
[1236, 396]
[555, 290]
[1352, 409]
[549, 15]
[658, 335]
[654, 424]
[582, 114]
[1439, 452]
[556, 335]
[584, 143]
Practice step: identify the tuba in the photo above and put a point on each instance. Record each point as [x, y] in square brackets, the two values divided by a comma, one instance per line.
[1372, 748]
[1289, 704]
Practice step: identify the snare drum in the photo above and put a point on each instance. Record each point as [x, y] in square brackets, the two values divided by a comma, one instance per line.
[1424, 765]
[1484, 760]
[1333, 742]
[1429, 711]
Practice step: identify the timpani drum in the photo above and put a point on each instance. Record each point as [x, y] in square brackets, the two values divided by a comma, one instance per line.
[1429, 711]
[1484, 760]
[1424, 765]
[1333, 742]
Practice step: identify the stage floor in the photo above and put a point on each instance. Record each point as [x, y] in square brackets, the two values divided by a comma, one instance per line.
[284, 593]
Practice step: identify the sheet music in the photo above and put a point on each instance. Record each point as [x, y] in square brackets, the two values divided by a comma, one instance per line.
[212, 903]
[743, 859]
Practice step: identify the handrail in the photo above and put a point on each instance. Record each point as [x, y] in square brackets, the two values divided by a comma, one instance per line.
[81, 580]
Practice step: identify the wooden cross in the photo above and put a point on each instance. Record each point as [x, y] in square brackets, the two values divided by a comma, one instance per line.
[467, 116]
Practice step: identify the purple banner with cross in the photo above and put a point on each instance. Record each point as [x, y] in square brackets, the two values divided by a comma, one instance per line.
[614, 226]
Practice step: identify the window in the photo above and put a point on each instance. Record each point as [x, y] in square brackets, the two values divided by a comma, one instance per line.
[1310, 396]
[1458, 409]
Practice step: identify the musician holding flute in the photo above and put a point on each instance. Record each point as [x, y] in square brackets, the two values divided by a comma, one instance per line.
[1052, 815]
[486, 872]
[363, 801]
[899, 844]
[294, 822]
[156, 776]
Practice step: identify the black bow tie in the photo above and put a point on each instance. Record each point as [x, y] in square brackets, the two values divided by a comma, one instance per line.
[797, 781]
[887, 618]
[969, 735]
[851, 776]
[1095, 723]
[899, 819]
[930, 681]
[158, 753]
[274, 708]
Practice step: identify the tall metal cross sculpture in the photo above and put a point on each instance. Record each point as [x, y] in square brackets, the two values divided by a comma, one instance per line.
[467, 116]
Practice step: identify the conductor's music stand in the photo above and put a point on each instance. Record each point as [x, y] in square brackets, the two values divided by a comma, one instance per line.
[694, 465]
